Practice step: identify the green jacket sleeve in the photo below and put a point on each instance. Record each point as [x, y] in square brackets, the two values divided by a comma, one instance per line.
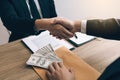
[109, 28]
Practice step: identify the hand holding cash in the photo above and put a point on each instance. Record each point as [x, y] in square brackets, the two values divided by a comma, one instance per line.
[43, 57]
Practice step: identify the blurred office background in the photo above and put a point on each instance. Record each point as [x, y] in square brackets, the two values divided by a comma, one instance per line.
[78, 9]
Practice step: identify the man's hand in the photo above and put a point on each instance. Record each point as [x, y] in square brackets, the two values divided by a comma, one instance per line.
[72, 26]
[57, 71]
[56, 30]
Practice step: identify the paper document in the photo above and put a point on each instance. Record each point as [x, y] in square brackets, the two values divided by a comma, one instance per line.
[37, 42]
[80, 39]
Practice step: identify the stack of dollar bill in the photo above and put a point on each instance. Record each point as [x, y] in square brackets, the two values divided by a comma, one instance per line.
[43, 57]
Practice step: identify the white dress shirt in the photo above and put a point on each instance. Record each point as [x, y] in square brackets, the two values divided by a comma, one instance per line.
[83, 22]
[38, 8]
[83, 26]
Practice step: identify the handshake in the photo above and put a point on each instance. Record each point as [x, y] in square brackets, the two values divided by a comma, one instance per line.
[59, 27]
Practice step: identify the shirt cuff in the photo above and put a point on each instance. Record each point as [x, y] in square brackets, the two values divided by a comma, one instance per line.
[83, 26]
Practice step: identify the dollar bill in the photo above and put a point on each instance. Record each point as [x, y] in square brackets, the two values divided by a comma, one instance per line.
[43, 57]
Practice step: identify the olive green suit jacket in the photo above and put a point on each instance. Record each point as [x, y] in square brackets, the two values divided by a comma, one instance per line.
[109, 28]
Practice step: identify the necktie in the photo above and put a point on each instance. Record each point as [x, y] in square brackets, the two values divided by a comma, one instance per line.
[33, 9]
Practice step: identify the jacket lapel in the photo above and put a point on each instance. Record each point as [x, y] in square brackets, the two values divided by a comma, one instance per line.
[21, 7]
[25, 8]
[44, 5]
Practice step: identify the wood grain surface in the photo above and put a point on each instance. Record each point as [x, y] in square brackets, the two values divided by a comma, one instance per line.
[13, 57]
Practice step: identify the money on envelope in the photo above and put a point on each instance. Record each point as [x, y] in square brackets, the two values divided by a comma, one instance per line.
[43, 57]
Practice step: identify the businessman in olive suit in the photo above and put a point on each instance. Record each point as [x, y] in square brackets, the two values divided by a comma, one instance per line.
[106, 28]
[29, 17]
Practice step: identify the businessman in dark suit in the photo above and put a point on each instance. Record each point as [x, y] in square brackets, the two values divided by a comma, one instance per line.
[23, 17]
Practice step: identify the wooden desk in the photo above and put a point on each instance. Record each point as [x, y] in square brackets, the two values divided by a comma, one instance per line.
[98, 53]
[13, 57]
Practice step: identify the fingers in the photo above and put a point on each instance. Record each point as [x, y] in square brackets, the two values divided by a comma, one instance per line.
[49, 76]
[61, 32]
[56, 66]
[67, 33]
[51, 68]
[61, 36]
[59, 72]
[61, 64]
[71, 70]
[54, 72]
[65, 22]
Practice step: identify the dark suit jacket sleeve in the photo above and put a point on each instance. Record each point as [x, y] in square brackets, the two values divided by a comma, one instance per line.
[112, 72]
[108, 28]
[13, 22]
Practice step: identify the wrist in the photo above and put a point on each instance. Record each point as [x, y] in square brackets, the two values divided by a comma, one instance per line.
[38, 24]
[83, 26]
[43, 24]
[77, 25]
